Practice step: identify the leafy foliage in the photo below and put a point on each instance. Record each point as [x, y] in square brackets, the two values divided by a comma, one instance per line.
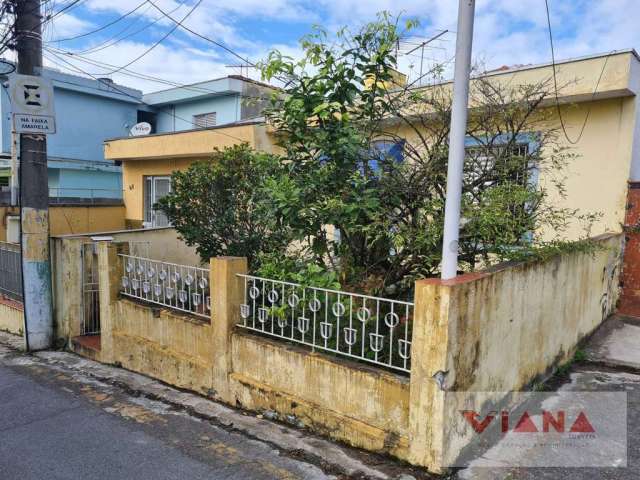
[357, 197]
[216, 206]
[341, 99]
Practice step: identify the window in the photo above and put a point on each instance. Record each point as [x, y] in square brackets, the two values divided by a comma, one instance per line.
[204, 120]
[385, 150]
[496, 162]
[154, 189]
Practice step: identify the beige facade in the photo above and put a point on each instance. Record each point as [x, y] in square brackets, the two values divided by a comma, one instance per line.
[596, 179]
[161, 154]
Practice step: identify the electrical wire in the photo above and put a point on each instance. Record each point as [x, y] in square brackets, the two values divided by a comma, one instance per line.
[164, 37]
[143, 76]
[199, 35]
[555, 84]
[103, 27]
[110, 85]
[109, 43]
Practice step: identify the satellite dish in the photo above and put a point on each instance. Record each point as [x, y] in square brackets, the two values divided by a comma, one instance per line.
[6, 67]
[140, 129]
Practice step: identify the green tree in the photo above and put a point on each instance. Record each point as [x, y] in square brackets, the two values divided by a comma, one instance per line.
[218, 205]
[341, 98]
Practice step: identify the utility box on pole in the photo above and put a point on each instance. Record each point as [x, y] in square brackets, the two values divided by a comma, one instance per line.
[34, 99]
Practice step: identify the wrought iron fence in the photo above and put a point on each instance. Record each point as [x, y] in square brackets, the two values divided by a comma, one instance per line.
[370, 329]
[179, 287]
[10, 271]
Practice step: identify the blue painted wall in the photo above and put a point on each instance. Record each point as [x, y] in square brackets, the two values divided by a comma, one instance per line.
[227, 108]
[87, 113]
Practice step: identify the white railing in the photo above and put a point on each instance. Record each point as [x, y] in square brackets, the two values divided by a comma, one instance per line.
[179, 287]
[370, 329]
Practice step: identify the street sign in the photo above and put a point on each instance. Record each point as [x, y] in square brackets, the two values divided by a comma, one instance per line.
[32, 104]
[139, 129]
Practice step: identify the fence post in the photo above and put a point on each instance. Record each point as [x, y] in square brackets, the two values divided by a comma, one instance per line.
[429, 351]
[67, 286]
[227, 293]
[109, 273]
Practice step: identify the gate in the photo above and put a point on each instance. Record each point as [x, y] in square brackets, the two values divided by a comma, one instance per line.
[90, 324]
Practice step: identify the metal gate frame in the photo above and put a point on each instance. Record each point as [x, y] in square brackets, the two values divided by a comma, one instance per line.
[90, 324]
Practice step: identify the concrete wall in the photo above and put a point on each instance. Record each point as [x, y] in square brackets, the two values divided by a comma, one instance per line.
[494, 331]
[163, 244]
[361, 406]
[74, 219]
[11, 316]
[179, 117]
[163, 344]
[498, 332]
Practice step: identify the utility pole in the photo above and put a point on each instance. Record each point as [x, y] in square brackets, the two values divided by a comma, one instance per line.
[14, 168]
[34, 192]
[464, 40]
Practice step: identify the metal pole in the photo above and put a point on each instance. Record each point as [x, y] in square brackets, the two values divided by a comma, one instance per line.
[14, 168]
[34, 193]
[457, 134]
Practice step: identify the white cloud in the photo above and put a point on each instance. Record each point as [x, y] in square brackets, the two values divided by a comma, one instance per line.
[507, 32]
[66, 26]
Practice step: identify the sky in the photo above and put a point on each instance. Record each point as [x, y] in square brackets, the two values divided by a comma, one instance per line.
[507, 32]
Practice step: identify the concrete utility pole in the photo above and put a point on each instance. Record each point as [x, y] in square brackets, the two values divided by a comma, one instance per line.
[34, 192]
[457, 134]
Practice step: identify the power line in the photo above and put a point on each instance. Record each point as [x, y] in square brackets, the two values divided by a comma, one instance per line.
[199, 35]
[112, 86]
[104, 45]
[555, 84]
[143, 76]
[164, 37]
[103, 27]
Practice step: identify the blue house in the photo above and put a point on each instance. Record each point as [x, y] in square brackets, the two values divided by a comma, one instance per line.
[87, 112]
[220, 101]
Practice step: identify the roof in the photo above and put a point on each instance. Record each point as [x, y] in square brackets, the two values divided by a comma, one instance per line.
[229, 85]
[103, 87]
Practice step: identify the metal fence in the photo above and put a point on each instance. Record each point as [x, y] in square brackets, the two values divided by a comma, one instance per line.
[10, 271]
[370, 329]
[90, 324]
[179, 287]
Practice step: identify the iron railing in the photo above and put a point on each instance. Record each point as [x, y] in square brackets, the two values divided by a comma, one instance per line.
[180, 287]
[10, 271]
[370, 329]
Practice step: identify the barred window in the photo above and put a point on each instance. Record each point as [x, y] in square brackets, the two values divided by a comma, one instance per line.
[205, 120]
[487, 165]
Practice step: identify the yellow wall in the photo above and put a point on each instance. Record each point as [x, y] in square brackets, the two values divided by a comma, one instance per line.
[500, 331]
[191, 143]
[11, 316]
[362, 406]
[495, 331]
[164, 153]
[133, 173]
[596, 179]
[171, 347]
[73, 219]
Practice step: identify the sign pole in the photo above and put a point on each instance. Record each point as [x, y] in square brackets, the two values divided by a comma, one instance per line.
[457, 134]
[34, 192]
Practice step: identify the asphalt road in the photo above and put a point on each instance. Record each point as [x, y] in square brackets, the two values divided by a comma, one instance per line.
[52, 427]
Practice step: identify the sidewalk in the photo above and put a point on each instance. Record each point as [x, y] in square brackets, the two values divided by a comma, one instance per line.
[611, 364]
[212, 433]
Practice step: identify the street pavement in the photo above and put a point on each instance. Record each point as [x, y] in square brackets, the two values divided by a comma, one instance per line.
[65, 417]
[611, 364]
